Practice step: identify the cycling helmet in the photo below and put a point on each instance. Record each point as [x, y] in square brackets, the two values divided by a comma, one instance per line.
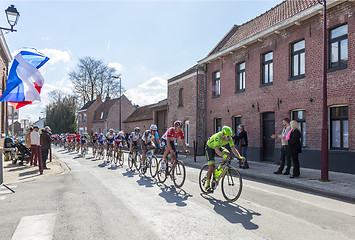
[96, 134]
[153, 127]
[101, 134]
[227, 131]
[111, 130]
[137, 129]
[121, 133]
[177, 124]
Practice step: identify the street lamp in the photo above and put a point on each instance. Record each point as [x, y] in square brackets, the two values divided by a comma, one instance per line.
[324, 162]
[120, 113]
[12, 16]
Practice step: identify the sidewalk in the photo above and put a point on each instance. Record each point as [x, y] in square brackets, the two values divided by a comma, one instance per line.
[341, 185]
[23, 173]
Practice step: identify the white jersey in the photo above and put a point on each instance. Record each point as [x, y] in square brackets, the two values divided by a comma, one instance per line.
[148, 137]
[134, 137]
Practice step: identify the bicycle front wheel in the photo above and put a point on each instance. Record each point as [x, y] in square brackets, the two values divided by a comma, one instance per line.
[178, 174]
[202, 178]
[130, 160]
[138, 161]
[120, 158]
[232, 185]
[162, 170]
[153, 166]
[115, 157]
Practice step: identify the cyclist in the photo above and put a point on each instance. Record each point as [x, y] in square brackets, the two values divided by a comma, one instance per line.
[84, 139]
[120, 140]
[94, 141]
[101, 142]
[77, 139]
[147, 141]
[215, 145]
[109, 138]
[167, 140]
[133, 138]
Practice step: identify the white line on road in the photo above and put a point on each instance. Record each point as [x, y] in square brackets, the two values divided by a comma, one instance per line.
[35, 227]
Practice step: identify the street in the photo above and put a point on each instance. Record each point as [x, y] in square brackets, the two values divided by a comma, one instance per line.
[98, 201]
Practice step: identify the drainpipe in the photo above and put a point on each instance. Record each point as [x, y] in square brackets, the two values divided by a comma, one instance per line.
[196, 128]
[205, 104]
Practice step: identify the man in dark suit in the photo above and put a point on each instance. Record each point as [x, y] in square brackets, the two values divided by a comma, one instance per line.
[46, 141]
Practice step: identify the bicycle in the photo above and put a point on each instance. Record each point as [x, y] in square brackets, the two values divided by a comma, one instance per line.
[94, 149]
[118, 156]
[101, 151]
[84, 150]
[135, 159]
[109, 156]
[151, 162]
[231, 181]
[176, 171]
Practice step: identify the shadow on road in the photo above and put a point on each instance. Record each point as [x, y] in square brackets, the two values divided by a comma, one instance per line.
[28, 173]
[129, 173]
[233, 213]
[146, 181]
[171, 195]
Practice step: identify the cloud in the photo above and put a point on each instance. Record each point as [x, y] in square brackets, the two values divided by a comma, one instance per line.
[117, 66]
[151, 91]
[56, 55]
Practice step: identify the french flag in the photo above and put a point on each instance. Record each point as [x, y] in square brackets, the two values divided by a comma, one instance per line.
[25, 81]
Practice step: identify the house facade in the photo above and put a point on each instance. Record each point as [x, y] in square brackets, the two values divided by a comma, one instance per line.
[271, 68]
[185, 101]
[5, 58]
[107, 115]
[86, 116]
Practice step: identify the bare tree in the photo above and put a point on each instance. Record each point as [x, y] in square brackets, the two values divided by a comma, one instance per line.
[92, 77]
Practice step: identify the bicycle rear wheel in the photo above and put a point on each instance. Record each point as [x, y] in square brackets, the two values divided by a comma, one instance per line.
[115, 157]
[130, 160]
[232, 185]
[153, 166]
[202, 179]
[138, 161]
[120, 158]
[178, 174]
[162, 170]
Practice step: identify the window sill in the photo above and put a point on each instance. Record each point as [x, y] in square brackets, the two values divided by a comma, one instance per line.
[341, 67]
[239, 90]
[339, 149]
[266, 84]
[217, 96]
[180, 106]
[297, 77]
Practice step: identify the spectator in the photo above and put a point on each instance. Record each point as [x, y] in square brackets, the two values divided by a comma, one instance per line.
[295, 148]
[285, 151]
[28, 137]
[243, 137]
[45, 145]
[36, 149]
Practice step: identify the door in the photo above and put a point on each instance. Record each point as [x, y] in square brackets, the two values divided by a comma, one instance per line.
[268, 128]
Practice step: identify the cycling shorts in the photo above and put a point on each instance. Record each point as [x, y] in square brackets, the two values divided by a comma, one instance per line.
[211, 153]
[165, 144]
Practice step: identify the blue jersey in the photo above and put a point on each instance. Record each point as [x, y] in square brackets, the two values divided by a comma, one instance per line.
[101, 139]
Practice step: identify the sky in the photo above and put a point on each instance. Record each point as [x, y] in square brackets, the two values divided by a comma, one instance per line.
[147, 42]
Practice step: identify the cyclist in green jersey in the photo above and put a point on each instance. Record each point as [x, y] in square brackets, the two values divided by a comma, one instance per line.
[215, 145]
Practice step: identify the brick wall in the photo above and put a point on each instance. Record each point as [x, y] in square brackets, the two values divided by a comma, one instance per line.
[295, 94]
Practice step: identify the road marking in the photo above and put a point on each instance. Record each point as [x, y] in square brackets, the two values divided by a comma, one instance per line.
[35, 227]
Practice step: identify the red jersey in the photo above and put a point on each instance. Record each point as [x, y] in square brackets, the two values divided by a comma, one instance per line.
[172, 134]
[77, 137]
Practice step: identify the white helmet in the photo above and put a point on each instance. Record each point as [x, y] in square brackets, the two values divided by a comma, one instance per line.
[153, 127]
[121, 133]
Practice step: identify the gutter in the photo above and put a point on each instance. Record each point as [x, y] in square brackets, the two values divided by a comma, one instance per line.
[5, 47]
[308, 13]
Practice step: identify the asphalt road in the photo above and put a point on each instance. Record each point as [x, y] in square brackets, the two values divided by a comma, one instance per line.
[98, 201]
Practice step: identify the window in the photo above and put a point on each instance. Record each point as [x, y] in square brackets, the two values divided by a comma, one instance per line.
[216, 91]
[102, 115]
[79, 117]
[186, 133]
[217, 125]
[84, 120]
[267, 67]
[237, 120]
[298, 59]
[181, 97]
[338, 47]
[241, 76]
[339, 135]
[300, 117]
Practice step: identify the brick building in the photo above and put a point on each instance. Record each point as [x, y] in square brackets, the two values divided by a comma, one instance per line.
[271, 68]
[185, 102]
[142, 117]
[86, 116]
[5, 58]
[107, 115]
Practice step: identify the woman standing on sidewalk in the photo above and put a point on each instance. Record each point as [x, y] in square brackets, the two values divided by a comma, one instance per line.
[295, 147]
